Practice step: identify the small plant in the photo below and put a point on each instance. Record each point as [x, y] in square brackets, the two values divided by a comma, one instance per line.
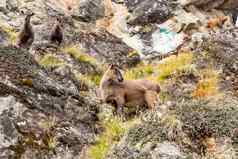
[78, 54]
[50, 61]
[112, 133]
[208, 85]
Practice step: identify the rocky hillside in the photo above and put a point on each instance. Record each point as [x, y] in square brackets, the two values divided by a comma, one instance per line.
[49, 107]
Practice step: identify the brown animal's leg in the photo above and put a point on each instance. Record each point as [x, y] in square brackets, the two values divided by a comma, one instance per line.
[151, 99]
[120, 105]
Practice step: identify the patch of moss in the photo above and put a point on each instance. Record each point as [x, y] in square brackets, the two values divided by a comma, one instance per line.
[79, 55]
[51, 61]
[112, 133]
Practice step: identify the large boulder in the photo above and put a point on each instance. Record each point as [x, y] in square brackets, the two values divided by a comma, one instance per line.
[108, 48]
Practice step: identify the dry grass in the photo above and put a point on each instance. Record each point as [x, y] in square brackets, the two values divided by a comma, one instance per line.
[208, 84]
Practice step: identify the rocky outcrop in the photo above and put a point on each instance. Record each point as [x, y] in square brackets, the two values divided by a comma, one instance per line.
[41, 112]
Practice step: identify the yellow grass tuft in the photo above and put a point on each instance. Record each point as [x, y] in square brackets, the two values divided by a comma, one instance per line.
[50, 61]
[77, 53]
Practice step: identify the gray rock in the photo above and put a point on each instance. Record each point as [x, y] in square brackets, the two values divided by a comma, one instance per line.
[211, 4]
[89, 10]
[149, 11]
[3, 5]
[166, 150]
[108, 48]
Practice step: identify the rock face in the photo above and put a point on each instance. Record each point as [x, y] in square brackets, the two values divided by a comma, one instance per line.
[149, 11]
[40, 112]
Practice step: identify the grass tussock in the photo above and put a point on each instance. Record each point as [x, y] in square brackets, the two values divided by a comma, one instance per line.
[113, 130]
[12, 34]
[78, 54]
[207, 85]
[50, 61]
[166, 68]
[141, 71]
[175, 64]
[90, 80]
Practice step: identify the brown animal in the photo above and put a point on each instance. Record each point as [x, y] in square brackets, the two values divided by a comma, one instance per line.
[57, 33]
[113, 89]
[26, 35]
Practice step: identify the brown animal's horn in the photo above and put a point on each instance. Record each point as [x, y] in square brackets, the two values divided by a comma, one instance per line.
[110, 65]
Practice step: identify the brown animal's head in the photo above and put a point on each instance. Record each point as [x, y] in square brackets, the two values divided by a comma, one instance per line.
[115, 73]
[112, 75]
[59, 22]
[28, 17]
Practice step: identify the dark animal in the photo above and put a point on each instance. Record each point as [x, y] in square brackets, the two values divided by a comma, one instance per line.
[26, 35]
[114, 89]
[57, 33]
